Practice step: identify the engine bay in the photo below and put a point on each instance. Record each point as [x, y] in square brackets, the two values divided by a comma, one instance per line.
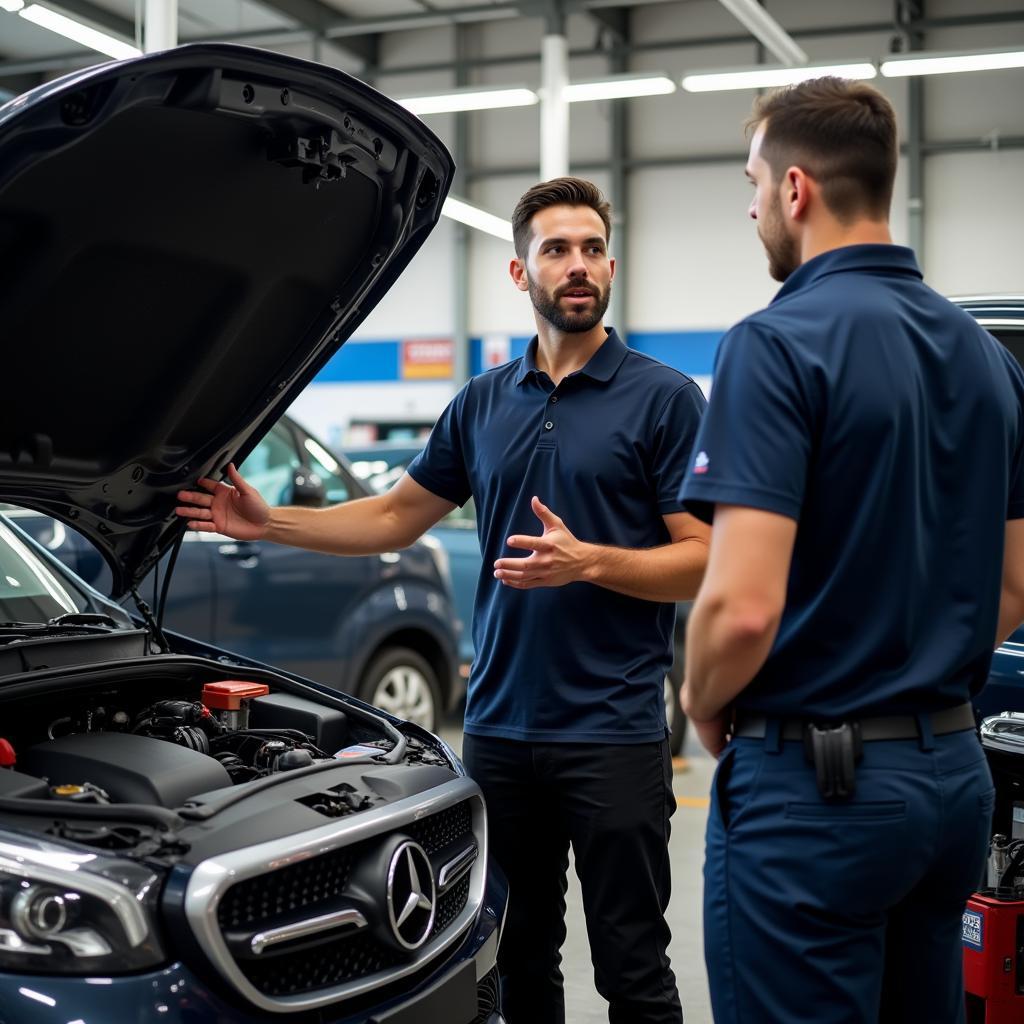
[157, 757]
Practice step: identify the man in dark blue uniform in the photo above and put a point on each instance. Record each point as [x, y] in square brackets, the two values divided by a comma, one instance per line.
[565, 717]
[861, 458]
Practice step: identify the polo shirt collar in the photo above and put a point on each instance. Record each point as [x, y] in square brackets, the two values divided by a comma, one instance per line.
[884, 259]
[600, 366]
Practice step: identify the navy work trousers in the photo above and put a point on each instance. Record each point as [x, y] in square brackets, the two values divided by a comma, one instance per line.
[843, 912]
[612, 803]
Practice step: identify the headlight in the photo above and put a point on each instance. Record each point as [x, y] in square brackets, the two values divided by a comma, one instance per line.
[441, 561]
[68, 911]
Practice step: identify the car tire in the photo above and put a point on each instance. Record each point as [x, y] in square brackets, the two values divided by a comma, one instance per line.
[677, 721]
[401, 681]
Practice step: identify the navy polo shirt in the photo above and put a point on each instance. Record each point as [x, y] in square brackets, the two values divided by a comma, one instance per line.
[888, 424]
[606, 451]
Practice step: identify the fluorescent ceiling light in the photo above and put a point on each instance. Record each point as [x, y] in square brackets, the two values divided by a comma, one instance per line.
[620, 87]
[474, 217]
[78, 32]
[470, 99]
[11, 5]
[769, 77]
[947, 63]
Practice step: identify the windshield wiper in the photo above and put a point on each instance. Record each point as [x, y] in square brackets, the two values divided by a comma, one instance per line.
[85, 619]
[69, 624]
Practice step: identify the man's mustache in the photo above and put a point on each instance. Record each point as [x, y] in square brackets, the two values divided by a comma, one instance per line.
[580, 287]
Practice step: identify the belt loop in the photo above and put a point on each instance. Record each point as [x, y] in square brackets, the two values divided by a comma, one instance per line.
[926, 737]
[773, 736]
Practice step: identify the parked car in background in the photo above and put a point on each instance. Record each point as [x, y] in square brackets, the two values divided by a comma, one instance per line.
[189, 836]
[381, 464]
[383, 627]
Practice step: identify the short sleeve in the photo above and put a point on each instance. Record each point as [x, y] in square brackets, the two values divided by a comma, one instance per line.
[674, 434]
[755, 440]
[441, 466]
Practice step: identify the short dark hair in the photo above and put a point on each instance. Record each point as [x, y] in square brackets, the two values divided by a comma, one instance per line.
[842, 133]
[557, 192]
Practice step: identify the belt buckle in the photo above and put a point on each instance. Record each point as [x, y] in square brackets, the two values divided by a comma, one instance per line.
[834, 750]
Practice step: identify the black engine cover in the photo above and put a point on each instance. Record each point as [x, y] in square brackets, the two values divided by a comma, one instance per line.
[132, 769]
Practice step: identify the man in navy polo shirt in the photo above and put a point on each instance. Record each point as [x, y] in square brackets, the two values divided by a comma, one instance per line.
[861, 457]
[574, 455]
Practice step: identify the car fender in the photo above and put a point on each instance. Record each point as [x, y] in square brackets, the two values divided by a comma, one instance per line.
[394, 607]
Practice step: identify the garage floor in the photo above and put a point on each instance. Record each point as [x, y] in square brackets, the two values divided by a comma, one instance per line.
[583, 1004]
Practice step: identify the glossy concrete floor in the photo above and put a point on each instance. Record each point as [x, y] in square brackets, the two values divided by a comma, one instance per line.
[692, 780]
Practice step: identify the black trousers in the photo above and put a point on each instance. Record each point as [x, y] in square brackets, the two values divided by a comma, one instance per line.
[612, 803]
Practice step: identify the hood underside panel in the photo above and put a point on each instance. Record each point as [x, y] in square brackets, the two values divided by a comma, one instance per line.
[187, 238]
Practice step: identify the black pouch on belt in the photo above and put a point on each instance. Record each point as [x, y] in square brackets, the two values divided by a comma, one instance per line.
[834, 751]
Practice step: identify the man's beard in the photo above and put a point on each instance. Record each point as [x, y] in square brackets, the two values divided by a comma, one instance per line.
[783, 255]
[570, 321]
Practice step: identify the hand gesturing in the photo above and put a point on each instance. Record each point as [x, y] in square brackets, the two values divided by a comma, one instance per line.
[557, 559]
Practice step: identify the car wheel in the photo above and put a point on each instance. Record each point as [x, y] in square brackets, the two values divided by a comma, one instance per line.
[674, 716]
[401, 682]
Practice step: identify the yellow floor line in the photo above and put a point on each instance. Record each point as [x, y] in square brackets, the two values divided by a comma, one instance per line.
[693, 801]
[680, 764]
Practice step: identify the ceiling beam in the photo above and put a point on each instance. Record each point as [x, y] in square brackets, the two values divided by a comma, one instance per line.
[613, 20]
[766, 30]
[319, 17]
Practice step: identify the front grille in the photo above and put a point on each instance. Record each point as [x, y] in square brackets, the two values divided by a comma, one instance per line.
[442, 829]
[250, 904]
[288, 974]
[451, 904]
[344, 959]
[268, 900]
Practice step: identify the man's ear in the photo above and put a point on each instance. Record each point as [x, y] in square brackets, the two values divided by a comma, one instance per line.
[611, 264]
[517, 271]
[796, 193]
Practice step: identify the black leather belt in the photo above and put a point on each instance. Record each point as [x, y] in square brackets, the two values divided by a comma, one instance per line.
[884, 727]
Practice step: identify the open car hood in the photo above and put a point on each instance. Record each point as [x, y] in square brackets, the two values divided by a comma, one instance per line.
[186, 237]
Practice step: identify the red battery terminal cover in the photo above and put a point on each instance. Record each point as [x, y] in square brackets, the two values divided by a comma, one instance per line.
[7, 755]
[228, 694]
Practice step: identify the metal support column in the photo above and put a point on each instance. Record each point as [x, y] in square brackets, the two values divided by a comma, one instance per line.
[554, 108]
[619, 305]
[909, 15]
[160, 25]
[460, 257]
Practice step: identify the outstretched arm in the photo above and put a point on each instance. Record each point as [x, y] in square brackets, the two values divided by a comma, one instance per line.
[362, 527]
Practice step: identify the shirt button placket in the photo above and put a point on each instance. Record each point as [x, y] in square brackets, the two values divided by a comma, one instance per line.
[549, 424]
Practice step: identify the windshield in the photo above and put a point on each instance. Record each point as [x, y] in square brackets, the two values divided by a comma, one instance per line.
[29, 590]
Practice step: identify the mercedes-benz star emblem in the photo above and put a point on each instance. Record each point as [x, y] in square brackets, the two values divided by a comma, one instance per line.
[411, 897]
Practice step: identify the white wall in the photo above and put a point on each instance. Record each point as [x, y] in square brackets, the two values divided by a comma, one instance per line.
[694, 261]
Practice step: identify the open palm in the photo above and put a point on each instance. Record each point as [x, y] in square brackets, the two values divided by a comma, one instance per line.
[234, 509]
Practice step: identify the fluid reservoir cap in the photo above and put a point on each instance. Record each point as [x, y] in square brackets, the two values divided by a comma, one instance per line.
[7, 755]
[228, 694]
